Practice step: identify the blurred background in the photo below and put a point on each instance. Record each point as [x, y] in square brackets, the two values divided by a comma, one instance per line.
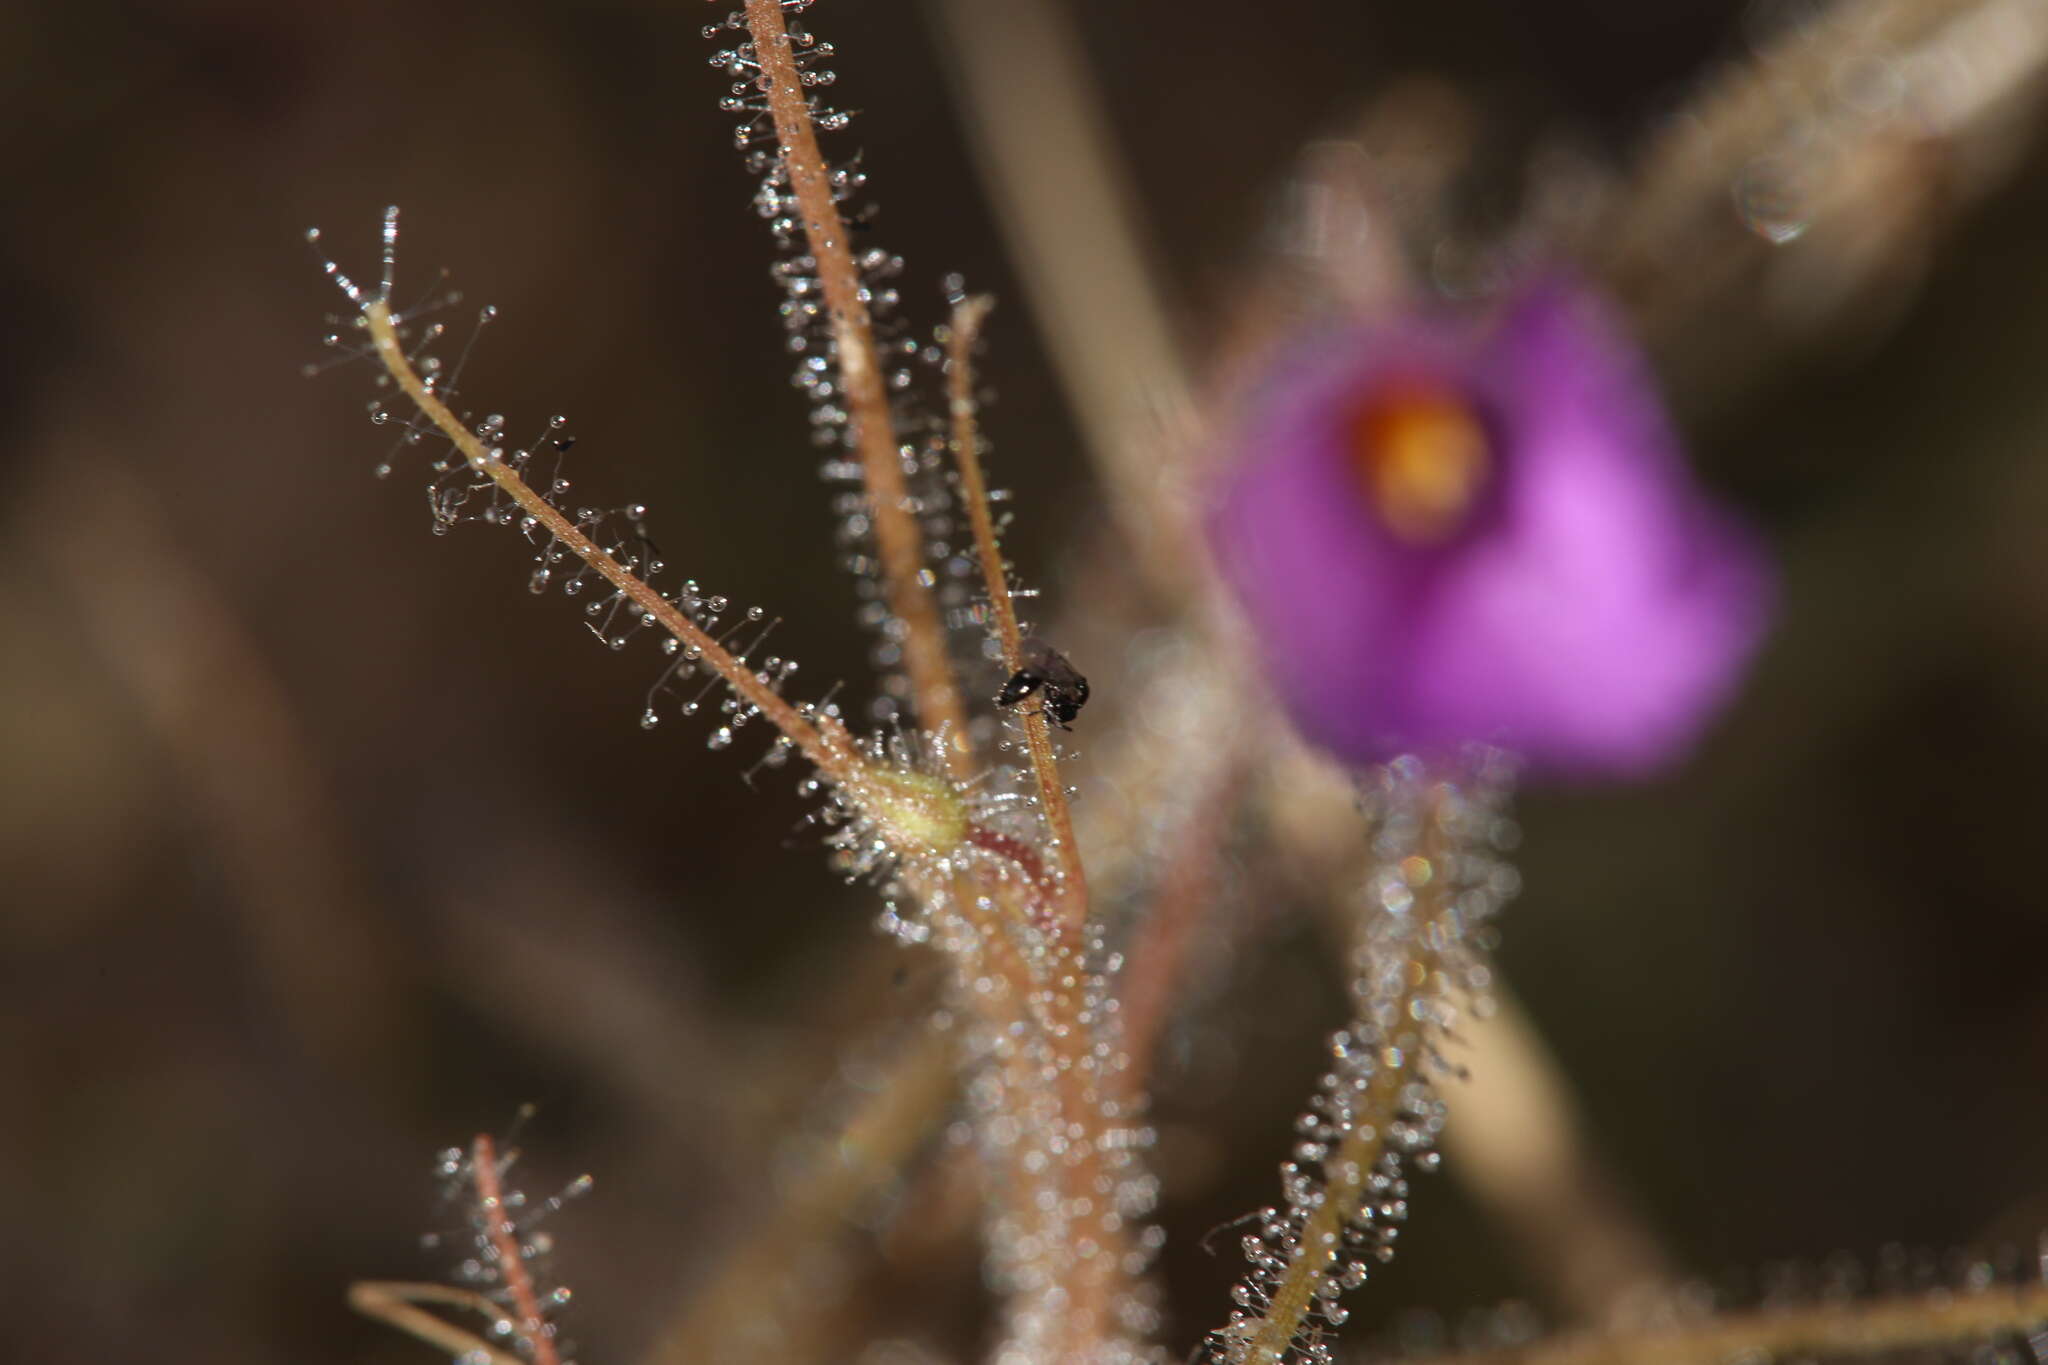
[324, 845]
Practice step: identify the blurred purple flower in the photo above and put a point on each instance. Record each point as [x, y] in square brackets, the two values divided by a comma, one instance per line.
[1445, 533]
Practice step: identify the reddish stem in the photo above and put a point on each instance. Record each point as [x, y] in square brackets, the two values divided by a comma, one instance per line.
[1023, 855]
[1052, 796]
[1158, 955]
[825, 743]
[530, 1326]
[899, 543]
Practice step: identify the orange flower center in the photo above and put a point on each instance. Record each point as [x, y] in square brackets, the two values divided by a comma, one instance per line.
[1421, 457]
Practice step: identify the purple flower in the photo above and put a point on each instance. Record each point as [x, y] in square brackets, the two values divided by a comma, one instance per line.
[1445, 532]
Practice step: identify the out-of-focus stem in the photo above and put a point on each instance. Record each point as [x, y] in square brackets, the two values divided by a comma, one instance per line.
[1046, 158]
[988, 903]
[1513, 1139]
[898, 541]
[875, 1143]
[529, 1326]
[220, 712]
[394, 1304]
[1052, 795]
[1157, 958]
[1878, 1326]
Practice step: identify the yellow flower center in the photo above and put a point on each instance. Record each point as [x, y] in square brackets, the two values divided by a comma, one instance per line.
[1421, 457]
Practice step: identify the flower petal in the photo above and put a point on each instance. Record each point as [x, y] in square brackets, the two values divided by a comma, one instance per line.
[1593, 616]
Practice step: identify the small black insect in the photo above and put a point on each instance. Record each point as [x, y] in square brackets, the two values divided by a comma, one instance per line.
[1061, 690]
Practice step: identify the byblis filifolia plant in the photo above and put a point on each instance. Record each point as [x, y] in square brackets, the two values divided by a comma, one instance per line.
[1465, 544]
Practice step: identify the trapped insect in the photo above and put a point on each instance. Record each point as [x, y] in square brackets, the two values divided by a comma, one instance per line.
[1061, 689]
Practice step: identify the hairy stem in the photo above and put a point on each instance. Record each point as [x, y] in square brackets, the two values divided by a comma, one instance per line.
[1351, 1168]
[529, 1324]
[898, 541]
[1093, 1283]
[1052, 796]
[825, 744]
[1348, 1172]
